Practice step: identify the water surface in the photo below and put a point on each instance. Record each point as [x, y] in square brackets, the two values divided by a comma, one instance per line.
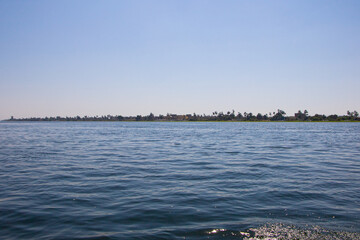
[176, 180]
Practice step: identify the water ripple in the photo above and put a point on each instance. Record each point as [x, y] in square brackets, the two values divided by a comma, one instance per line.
[179, 180]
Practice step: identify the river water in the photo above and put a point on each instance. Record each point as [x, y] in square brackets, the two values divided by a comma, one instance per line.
[179, 180]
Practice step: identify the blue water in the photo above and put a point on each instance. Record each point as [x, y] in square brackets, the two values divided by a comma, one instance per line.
[179, 180]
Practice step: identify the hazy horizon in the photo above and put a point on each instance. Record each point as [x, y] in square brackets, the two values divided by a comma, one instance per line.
[69, 58]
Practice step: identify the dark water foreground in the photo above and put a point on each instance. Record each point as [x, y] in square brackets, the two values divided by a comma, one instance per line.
[101, 180]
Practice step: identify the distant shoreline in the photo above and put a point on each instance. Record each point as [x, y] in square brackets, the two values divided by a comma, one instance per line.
[176, 121]
[278, 116]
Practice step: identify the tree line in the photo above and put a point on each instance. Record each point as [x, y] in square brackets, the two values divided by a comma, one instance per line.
[278, 115]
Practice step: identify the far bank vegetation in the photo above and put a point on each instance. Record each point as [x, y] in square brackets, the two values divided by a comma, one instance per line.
[279, 115]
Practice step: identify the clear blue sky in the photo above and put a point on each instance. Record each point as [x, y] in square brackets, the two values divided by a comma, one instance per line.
[71, 58]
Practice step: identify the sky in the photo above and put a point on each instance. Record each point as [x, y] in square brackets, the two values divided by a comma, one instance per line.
[69, 58]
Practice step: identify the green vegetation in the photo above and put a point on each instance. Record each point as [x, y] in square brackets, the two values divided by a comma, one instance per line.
[279, 115]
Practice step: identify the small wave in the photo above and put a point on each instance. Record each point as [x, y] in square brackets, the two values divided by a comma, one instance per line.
[279, 231]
